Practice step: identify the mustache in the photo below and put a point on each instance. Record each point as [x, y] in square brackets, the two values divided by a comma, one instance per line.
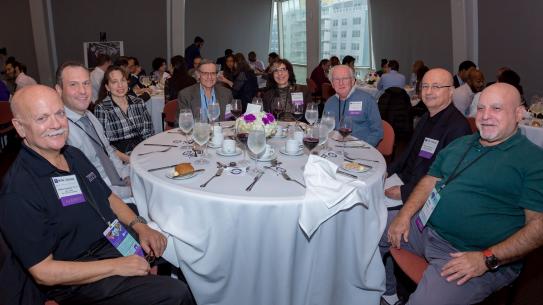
[55, 132]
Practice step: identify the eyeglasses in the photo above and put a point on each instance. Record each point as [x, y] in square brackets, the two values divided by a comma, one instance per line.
[342, 79]
[433, 86]
[208, 74]
[280, 70]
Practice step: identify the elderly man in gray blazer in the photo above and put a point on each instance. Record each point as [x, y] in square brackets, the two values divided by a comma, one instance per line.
[205, 92]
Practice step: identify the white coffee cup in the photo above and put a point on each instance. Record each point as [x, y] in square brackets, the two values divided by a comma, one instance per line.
[228, 146]
[292, 146]
[268, 152]
[299, 136]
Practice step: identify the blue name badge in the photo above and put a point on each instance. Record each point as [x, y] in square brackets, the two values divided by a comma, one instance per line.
[427, 209]
[119, 237]
[68, 190]
[355, 108]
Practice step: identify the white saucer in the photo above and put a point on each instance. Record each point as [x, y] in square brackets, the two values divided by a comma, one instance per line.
[211, 145]
[222, 153]
[269, 158]
[298, 153]
[184, 177]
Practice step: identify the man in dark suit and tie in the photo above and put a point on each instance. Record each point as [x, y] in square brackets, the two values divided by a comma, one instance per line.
[442, 124]
[206, 92]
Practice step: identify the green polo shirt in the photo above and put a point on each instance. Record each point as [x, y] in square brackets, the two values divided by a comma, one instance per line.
[485, 204]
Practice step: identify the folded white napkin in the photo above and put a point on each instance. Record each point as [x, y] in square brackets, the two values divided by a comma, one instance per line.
[390, 182]
[327, 193]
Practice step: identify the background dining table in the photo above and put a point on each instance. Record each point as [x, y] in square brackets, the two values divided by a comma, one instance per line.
[155, 106]
[247, 247]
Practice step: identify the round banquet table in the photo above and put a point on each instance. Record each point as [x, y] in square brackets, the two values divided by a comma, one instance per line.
[155, 106]
[239, 247]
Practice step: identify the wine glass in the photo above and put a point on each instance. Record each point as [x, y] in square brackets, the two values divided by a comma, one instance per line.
[311, 137]
[277, 107]
[345, 129]
[328, 119]
[258, 101]
[213, 112]
[256, 143]
[200, 135]
[298, 111]
[242, 136]
[186, 121]
[311, 113]
[236, 108]
[145, 80]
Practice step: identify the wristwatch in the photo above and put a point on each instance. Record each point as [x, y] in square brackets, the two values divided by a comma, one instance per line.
[136, 220]
[491, 261]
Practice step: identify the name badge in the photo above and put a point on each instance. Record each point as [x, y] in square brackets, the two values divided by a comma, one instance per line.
[297, 98]
[68, 190]
[355, 108]
[427, 209]
[119, 237]
[428, 148]
[228, 111]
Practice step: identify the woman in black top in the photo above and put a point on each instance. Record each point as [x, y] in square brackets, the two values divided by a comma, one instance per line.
[245, 85]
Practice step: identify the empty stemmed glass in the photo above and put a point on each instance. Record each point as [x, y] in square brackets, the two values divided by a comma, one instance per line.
[213, 113]
[345, 129]
[311, 113]
[200, 135]
[186, 121]
[258, 101]
[145, 80]
[242, 136]
[257, 144]
[328, 120]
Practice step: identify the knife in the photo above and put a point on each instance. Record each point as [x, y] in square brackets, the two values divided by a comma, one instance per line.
[159, 168]
[164, 145]
[190, 173]
[250, 187]
[353, 146]
[346, 174]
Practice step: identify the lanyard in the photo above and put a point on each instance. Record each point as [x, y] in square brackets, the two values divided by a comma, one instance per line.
[339, 108]
[457, 172]
[91, 137]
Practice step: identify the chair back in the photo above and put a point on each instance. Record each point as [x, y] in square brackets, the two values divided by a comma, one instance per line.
[5, 113]
[395, 108]
[327, 91]
[386, 146]
[472, 125]
[169, 114]
[311, 85]
[411, 264]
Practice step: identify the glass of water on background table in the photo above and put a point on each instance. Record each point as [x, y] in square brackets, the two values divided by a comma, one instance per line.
[328, 119]
[257, 145]
[186, 121]
[311, 113]
[200, 135]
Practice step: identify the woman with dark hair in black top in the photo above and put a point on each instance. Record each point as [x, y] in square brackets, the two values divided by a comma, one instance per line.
[245, 85]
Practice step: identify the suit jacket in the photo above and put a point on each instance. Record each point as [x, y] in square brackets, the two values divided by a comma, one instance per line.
[190, 98]
[451, 125]
[456, 81]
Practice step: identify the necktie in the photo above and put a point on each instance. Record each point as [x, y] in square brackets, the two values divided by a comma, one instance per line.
[107, 164]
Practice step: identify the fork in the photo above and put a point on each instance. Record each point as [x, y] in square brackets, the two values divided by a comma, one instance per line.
[217, 174]
[287, 177]
[156, 151]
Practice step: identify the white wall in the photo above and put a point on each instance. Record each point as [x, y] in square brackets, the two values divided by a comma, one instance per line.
[241, 25]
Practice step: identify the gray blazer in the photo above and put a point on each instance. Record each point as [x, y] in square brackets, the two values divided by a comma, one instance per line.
[190, 98]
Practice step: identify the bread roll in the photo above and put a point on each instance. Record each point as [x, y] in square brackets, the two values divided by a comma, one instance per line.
[183, 169]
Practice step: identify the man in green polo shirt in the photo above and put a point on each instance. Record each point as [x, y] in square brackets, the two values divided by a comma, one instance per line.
[479, 209]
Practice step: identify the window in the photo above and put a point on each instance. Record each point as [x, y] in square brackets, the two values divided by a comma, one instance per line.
[334, 34]
[347, 11]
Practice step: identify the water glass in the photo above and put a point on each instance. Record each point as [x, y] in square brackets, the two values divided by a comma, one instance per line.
[257, 145]
[186, 121]
[311, 113]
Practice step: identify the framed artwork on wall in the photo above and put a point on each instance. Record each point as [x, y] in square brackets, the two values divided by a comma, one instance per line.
[91, 50]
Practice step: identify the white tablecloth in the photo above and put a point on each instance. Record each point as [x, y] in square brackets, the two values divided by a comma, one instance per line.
[155, 106]
[534, 134]
[238, 247]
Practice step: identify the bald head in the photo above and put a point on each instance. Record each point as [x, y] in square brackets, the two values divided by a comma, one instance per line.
[436, 90]
[498, 113]
[39, 119]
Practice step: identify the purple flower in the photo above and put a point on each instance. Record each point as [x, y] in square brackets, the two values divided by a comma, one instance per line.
[265, 120]
[249, 118]
[270, 117]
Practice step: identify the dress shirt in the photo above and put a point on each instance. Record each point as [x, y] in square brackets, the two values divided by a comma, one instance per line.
[473, 107]
[257, 64]
[391, 79]
[96, 77]
[367, 125]
[78, 138]
[462, 97]
[24, 80]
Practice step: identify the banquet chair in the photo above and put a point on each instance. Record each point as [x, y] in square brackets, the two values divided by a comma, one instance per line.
[411, 264]
[327, 91]
[312, 86]
[169, 114]
[472, 124]
[5, 124]
[386, 146]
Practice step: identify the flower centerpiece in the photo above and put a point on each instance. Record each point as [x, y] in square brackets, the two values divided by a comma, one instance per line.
[372, 77]
[246, 122]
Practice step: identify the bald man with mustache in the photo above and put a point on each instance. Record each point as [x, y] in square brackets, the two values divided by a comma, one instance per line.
[55, 210]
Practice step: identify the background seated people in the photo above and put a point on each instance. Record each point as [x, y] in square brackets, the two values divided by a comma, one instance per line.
[320, 75]
[124, 117]
[103, 61]
[229, 69]
[282, 87]
[348, 60]
[367, 124]
[462, 76]
[16, 72]
[438, 127]
[195, 64]
[413, 81]
[334, 61]
[256, 64]
[392, 78]
[463, 95]
[488, 212]
[159, 70]
[59, 239]
[86, 132]
[382, 71]
[206, 92]
[180, 78]
[222, 60]
[245, 85]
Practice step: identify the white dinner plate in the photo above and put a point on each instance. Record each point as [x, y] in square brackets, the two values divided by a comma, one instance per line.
[224, 154]
[183, 177]
[285, 152]
[355, 167]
